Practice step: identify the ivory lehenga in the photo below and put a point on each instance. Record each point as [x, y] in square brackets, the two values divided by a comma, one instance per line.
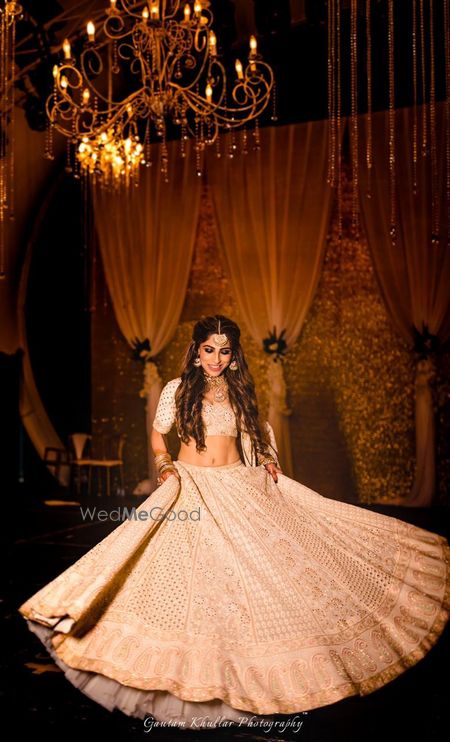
[250, 598]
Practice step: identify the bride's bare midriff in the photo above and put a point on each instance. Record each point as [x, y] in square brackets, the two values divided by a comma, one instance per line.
[220, 450]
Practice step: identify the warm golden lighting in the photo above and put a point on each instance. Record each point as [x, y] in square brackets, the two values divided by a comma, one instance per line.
[169, 51]
[10, 13]
[66, 48]
[90, 28]
[212, 43]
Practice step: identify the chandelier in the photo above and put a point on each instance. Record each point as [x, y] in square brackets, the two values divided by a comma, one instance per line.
[147, 73]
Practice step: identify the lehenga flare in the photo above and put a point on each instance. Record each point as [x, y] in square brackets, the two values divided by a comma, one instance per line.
[230, 594]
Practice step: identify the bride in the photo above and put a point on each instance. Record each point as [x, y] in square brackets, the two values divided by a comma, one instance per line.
[248, 594]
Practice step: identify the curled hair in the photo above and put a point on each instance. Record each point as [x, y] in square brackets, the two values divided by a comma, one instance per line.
[241, 388]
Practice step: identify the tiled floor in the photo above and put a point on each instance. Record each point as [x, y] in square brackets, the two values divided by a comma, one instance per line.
[44, 539]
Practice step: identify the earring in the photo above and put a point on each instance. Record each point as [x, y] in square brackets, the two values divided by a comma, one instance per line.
[233, 366]
[197, 361]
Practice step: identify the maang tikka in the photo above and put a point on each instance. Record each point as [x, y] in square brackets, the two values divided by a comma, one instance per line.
[219, 340]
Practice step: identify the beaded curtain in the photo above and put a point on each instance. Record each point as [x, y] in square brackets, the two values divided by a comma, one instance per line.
[350, 377]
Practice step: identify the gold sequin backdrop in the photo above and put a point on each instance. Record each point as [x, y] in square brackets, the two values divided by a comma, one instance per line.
[350, 377]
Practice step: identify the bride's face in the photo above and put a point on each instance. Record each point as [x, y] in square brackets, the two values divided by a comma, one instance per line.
[214, 360]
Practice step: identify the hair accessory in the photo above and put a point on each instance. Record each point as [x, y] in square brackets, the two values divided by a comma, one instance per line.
[219, 340]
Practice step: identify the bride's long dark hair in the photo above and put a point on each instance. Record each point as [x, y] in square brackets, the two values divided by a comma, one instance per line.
[241, 388]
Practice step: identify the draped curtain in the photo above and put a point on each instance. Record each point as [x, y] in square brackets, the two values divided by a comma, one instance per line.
[413, 274]
[146, 238]
[272, 211]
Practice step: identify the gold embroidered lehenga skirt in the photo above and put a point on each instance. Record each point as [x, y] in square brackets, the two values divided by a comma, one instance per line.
[230, 596]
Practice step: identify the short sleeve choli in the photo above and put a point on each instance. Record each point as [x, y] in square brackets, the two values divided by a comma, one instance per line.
[218, 419]
[166, 410]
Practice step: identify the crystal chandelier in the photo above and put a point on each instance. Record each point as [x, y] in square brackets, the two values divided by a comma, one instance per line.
[150, 72]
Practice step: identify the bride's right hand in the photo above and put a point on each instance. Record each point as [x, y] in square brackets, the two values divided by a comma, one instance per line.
[167, 474]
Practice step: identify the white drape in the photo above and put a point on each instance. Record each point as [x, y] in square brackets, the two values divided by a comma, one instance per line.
[413, 274]
[146, 237]
[272, 212]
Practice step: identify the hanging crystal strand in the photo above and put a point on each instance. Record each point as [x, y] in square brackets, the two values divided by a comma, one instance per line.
[49, 154]
[257, 138]
[4, 123]
[274, 116]
[68, 167]
[147, 147]
[197, 148]
[93, 251]
[423, 75]
[414, 62]
[369, 98]
[435, 228]
[447, 114]
[392, 174]
[8, 16]
[244, 138]
[165, 157]
[84, 254]
[233, 141]
[331, 175]
[218, 151]
[12, 133]
[354, 111]
[339, 115]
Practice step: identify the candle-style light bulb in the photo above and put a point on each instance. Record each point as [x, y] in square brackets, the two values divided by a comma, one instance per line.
[197, 8]
[253, 45]
[86, 96]
[113, 4]
[66, 48]
[64, 82]
[55, 71]
[154, 10]
[239, 71]
[187, 13]
[145, 14]
[90, 28]
[209, 92]
[212, 44]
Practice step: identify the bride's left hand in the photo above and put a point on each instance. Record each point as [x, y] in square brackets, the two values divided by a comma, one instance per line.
[273, 471]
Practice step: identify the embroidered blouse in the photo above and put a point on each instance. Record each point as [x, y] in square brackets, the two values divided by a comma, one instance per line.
[218, 419]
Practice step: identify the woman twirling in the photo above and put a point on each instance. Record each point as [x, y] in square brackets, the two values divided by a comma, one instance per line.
[248, 593]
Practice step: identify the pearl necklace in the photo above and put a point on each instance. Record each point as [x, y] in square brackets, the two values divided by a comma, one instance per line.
[219, 384]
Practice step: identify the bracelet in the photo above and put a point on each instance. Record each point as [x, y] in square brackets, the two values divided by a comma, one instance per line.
[266, 460]
[163, 462]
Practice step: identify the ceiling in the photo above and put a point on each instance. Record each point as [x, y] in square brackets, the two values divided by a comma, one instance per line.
[292, 34]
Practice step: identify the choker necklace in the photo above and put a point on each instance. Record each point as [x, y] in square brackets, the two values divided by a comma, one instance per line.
[219, 384]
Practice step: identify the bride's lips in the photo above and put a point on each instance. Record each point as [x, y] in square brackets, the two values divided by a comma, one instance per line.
[215, 368]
